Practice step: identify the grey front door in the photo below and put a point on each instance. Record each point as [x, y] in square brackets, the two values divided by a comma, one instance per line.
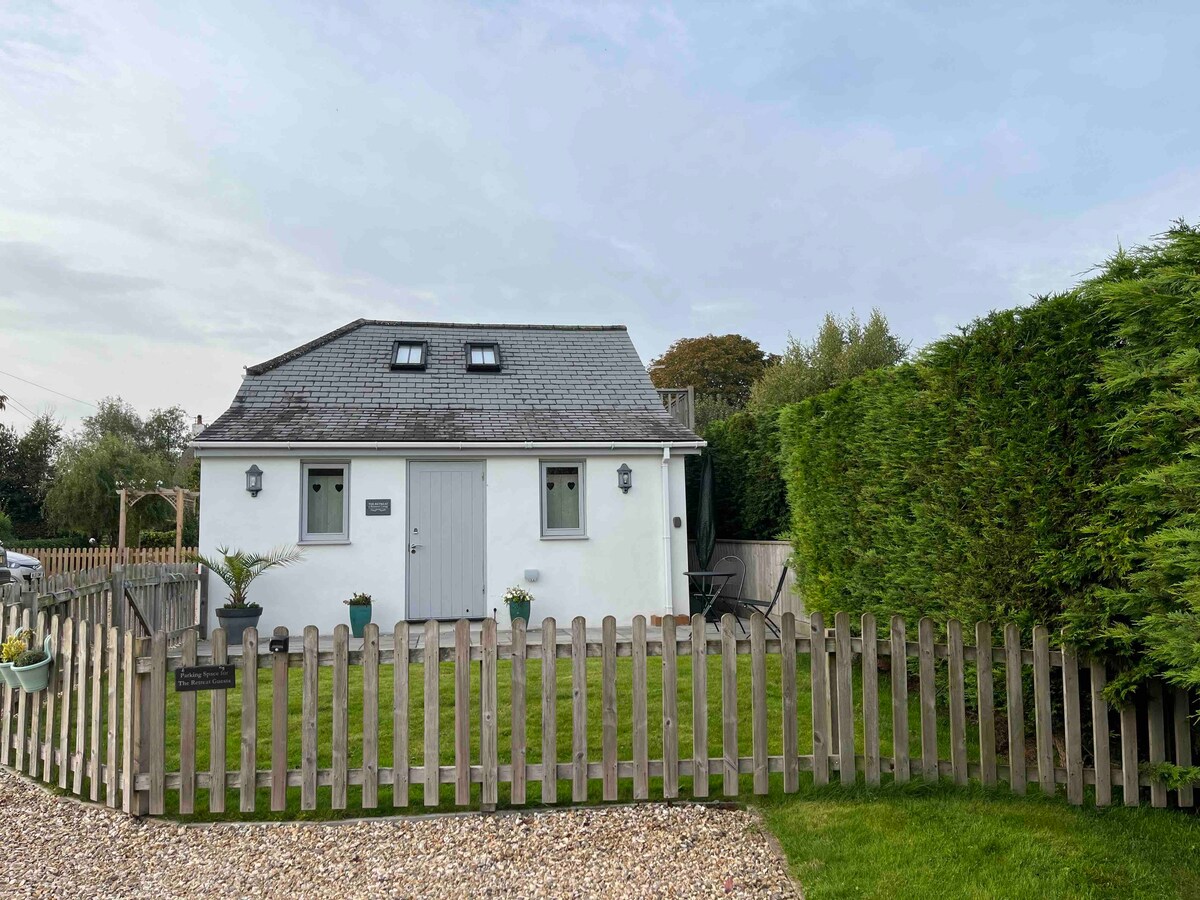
[445, 549]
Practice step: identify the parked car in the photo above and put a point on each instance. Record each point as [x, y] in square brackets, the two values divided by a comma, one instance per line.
[19, 565]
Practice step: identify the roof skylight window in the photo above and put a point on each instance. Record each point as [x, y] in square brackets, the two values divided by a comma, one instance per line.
[409, 354]
[483, 357]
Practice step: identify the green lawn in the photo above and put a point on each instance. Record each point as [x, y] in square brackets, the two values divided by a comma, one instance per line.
[942, 841]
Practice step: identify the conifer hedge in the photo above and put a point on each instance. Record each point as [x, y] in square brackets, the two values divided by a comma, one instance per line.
[749, 495]
[1043, 466]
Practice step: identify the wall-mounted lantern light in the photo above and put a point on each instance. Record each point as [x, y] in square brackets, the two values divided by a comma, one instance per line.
[624, 478]
[254, 480]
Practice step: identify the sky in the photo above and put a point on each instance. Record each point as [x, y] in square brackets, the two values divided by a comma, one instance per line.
[190, 188]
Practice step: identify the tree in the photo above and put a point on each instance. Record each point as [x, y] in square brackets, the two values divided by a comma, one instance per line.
[84, 495]
[26, 470]
[843, 349]
[115, 447]
[718, 367]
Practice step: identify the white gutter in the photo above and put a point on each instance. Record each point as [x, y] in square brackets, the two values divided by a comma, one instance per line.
[668, 605]
[448, 445]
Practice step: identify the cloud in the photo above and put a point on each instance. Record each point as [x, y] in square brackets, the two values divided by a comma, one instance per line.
[209, 186]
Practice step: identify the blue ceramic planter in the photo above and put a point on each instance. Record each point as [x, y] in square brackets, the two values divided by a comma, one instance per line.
[519, 609]
[359, 617]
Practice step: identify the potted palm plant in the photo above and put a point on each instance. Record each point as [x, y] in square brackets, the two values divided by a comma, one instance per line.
[238, 569]
[32, 667]
[360, 613]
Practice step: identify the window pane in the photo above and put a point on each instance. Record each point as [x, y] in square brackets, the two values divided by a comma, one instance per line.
[483, 355]
[563, 490]
[326, 492]
[408, 354]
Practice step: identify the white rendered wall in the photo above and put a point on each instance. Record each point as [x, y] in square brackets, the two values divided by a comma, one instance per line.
[616, 570]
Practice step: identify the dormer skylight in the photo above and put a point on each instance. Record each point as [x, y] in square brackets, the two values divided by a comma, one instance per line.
[409, 354]
[483, 357]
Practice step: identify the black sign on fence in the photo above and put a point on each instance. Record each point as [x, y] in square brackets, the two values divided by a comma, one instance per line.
[204, 678]
[379, 507]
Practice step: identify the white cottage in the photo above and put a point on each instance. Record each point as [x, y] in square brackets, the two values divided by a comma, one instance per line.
[433, 466]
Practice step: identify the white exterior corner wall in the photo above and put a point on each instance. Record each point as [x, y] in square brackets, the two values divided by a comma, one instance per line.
[616, 570]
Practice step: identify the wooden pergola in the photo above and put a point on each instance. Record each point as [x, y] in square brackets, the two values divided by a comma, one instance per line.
[178, 497]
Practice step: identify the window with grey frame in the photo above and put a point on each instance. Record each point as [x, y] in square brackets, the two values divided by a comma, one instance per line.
[325, 508]
[563, 498]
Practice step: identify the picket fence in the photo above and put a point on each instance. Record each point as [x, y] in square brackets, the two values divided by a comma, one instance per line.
[101, 729]
[64, 560]
[143, 598]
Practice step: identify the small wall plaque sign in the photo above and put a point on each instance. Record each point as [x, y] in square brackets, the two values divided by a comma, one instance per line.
[379, 507]
[205, 678]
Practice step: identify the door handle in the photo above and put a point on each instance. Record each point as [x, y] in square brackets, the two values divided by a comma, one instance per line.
[412, 548]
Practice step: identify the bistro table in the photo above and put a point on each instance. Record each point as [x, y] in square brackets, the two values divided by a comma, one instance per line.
[707, 586]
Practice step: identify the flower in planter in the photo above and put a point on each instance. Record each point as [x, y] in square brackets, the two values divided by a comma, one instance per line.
[517, 594]
[359, 600]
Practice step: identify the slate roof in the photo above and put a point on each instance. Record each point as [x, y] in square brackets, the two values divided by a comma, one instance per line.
[558, 383]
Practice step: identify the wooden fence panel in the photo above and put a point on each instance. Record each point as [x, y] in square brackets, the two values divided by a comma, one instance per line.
[1101, 741]
[1183, 743]
[1015, 707]
[187, 733]
[400, 773]
[870, 699]
[758, 702]
[700, 769]
[218, 714]
[818, 672]
[549, 712]
[929, 743]
[899, 672]
[985, 700]
[489, 718]
[247, 787]
[640, 713]
[1041, 709]
[791, 725]
[844, 667]
[105, 721]
[579, 735]
[608, 708]
[670, 710]
[518, 742]
[729, 708]
[462, 712]
[279, 724]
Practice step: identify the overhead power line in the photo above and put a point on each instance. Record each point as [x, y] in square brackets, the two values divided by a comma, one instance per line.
[51, 390]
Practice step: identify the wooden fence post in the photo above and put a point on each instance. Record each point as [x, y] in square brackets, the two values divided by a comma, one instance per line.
[279, 721]
[929, 742]
[670, 710]
[549, 711]
[641, 752]
[819, 671]
[489, 719]
[139, 802]
[608, 707]
[901, 768]
[120, 612]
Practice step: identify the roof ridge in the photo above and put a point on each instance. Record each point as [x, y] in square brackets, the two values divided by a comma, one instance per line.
[297, 352]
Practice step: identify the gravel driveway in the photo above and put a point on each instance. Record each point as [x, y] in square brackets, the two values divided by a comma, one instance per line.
[55, 847]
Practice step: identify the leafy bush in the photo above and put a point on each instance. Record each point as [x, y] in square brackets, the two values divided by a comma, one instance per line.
[12, 648]
[156, 539]
[1041, 467]
[6, 528]
[58, 543]
[359, 600]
